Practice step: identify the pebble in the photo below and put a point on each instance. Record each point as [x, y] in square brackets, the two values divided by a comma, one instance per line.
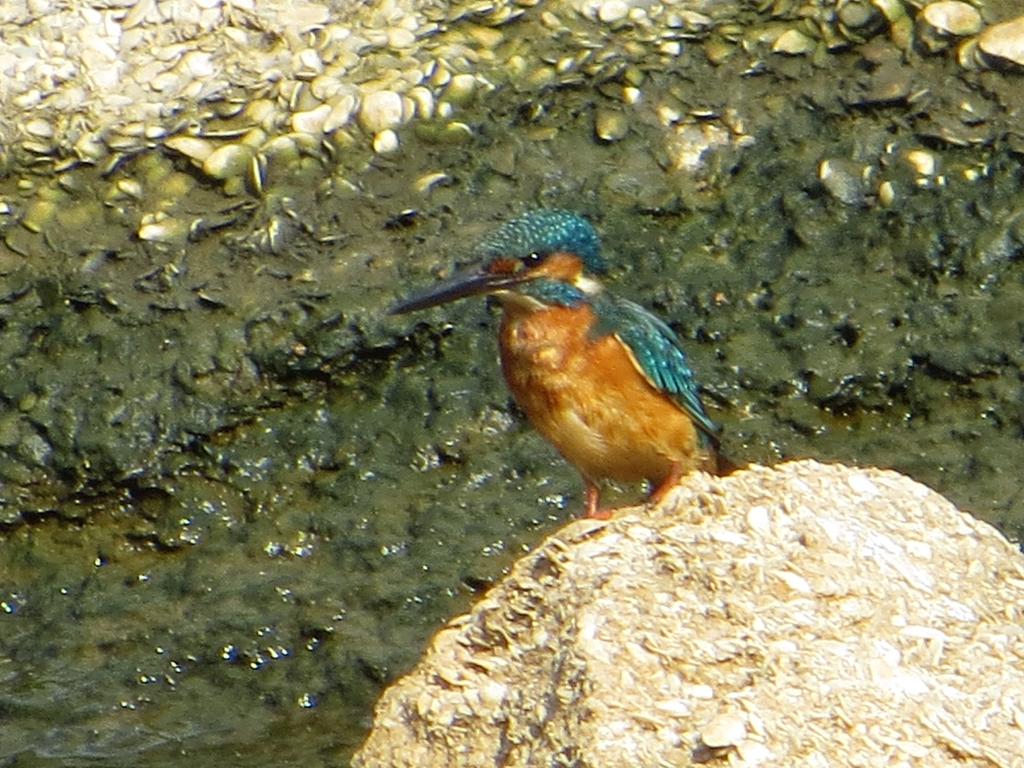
[341, 109]
[844, 180]
[610, 124]
[724, 730]
[381, 111]
[38, 214]
[612, 11]
[308, 64]
[793, 42]
[39, 128]
[423, 98]
[400, 38]
[921, 161]
[952, 17]
[311, 121]
[430, 180]
[886, 194]
[192, 147]
[385, 142]
[857, 14]
[1004, 41]
[460, 89]
[939, 24]
[160, 228]
[228, 161]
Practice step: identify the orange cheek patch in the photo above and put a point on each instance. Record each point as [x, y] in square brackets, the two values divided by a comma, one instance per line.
[561, 266]
[503, 266]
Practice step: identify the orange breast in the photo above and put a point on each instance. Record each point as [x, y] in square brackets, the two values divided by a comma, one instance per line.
[589, 399]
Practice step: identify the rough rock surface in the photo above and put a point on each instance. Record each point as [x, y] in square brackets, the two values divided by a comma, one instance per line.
[808, 615]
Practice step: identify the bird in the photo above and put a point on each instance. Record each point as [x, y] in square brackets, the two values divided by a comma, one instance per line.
[604, 380]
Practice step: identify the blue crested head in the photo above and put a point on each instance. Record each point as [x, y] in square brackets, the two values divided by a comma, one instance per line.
[544, 255]
[543, 232]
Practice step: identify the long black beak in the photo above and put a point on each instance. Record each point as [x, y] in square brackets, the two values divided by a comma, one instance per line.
[471, 282]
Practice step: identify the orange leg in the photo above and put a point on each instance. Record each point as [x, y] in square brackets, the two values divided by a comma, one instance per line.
[593, 496]
[659, 493]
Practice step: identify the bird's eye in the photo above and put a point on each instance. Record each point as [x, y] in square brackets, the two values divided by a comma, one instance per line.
[533, 258]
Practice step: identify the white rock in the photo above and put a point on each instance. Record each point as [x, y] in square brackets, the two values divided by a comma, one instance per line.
[952, 17]
[424, 101]
[342, 107]
[611, 11]
[311, 121]
[191, 147]
[400, 38]
[380, 111]
[160, 228]
[461, 88]
[724, 730]
[227, 161]
[39, 128]
[1004, 41]
[307, 63]
[921, 161]
[794, 43]
[385, 141]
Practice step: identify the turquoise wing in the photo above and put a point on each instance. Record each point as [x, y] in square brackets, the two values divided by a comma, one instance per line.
[658, 352]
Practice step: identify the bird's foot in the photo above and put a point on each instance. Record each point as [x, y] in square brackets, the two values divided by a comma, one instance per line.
[658, 494]
[593, 497]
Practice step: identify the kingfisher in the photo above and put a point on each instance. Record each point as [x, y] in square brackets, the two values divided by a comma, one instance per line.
[603, 379]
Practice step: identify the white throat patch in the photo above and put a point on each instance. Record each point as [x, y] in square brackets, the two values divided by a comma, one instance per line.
[588, 285]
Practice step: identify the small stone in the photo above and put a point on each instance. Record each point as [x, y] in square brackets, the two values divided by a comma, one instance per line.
[160, 228]
[192, 147]
[725, 730]
[856, 15]
[891, 9]
[424, 101]
[939, 23]
[844, 180]
[461, 89]
[793, 42]
[1004, 41]
[39, 128]
[612, 11]
[129, 188]
[311, 121]
[341, 109]
[430, 180]
[455, 132]
[385, 141]
[886, 194]
[400, 38]
[610, 125]
[952, 17]
[381, 111]
[228, 161]
[921, 161]
[281, 150]
[307, 64]
[38, 214]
